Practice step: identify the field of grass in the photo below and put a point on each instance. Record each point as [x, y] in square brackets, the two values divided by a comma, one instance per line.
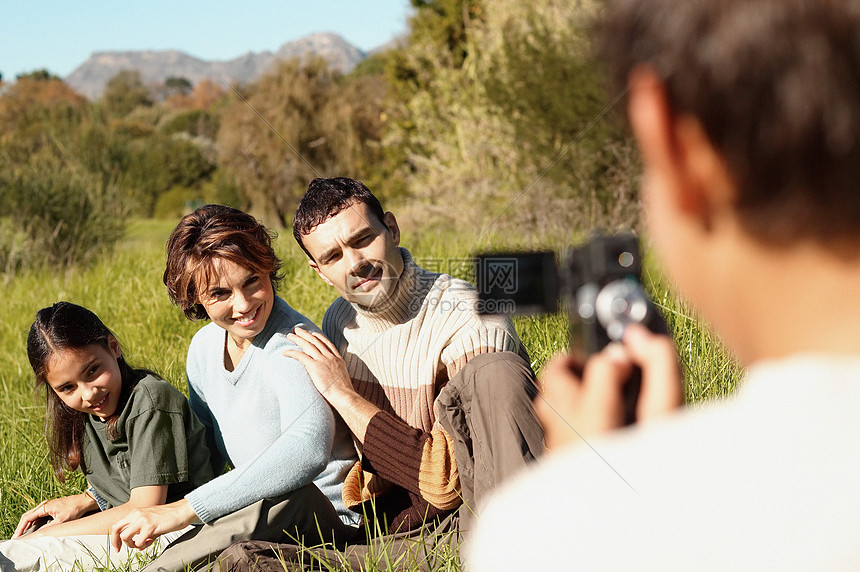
[125, 290]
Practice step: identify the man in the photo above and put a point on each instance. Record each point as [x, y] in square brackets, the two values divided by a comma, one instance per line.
[437, 397]
[405, 334]
[747, 115]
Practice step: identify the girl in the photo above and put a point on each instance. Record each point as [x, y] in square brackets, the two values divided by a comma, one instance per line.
[132, 434]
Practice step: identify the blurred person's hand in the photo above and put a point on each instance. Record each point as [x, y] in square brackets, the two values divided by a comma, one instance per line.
[583, 398]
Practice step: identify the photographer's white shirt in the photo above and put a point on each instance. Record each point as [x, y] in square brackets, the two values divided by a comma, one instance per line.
[769, 480]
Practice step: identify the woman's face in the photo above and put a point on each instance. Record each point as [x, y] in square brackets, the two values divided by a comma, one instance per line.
[87, 379]
[237, 300]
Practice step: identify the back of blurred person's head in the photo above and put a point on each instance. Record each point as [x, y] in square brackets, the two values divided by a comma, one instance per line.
[775, 85]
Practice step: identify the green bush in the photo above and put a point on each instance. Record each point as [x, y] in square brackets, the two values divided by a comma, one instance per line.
[55, 217]
[175, 202]
[196, 122]
[159, 163]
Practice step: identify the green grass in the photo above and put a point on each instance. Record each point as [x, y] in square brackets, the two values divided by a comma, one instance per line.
[125, 290]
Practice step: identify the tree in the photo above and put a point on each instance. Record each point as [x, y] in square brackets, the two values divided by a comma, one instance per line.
[34, 111]
[174, 92]
[207, 93]
[445, 24]
[178, 85]
[303, 120]
[538, 70]
[440, 139]
[352, 122]
[195, 122]
[203, 97]
[38, 75]
[270, 140]
[500, 112]
[158, 162]
[55, 214]
[125, 92]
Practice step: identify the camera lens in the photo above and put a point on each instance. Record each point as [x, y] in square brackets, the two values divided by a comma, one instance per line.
[618, 304]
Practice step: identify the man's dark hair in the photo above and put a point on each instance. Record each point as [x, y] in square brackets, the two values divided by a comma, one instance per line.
[326, 198]
[775, 85]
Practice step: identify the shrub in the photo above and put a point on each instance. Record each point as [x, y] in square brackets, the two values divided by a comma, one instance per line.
[55, 216]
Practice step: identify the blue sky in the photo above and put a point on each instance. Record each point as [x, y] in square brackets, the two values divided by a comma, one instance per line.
[61, 34]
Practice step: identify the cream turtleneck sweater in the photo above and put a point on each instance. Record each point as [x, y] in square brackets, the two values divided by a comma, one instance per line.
[399, 354]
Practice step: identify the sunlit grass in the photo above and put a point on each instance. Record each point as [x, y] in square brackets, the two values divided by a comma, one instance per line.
[126, 291]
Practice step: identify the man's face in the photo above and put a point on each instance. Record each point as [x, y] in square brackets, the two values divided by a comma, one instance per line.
[357, 254]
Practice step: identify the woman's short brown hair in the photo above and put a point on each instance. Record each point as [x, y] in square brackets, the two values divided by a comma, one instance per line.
[210, 232]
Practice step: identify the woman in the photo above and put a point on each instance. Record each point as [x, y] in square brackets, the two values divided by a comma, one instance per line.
[131, 433]
[262, 413]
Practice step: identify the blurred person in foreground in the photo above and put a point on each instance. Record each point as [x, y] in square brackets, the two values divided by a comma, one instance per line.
[747, 116]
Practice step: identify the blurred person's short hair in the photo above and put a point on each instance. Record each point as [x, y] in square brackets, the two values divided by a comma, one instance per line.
[775, 85]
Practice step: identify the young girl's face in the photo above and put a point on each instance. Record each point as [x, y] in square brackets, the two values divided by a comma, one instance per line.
[87, 379]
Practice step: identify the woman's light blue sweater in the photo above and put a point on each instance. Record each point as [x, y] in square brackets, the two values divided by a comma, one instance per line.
[266, 419]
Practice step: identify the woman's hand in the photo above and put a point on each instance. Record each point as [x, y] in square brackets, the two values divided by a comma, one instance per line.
[55, 511]
[578, 400]
[139, 528]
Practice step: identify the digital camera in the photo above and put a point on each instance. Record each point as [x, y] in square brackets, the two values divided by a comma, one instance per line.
[600, 282]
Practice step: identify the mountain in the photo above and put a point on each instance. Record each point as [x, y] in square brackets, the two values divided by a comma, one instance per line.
[91, 76]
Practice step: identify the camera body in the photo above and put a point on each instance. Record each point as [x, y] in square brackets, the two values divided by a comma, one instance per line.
[600, 281]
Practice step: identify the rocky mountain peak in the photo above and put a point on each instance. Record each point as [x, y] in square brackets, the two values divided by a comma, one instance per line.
[91, 77]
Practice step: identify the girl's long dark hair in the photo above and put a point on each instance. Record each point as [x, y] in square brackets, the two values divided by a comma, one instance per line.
[69, 326]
